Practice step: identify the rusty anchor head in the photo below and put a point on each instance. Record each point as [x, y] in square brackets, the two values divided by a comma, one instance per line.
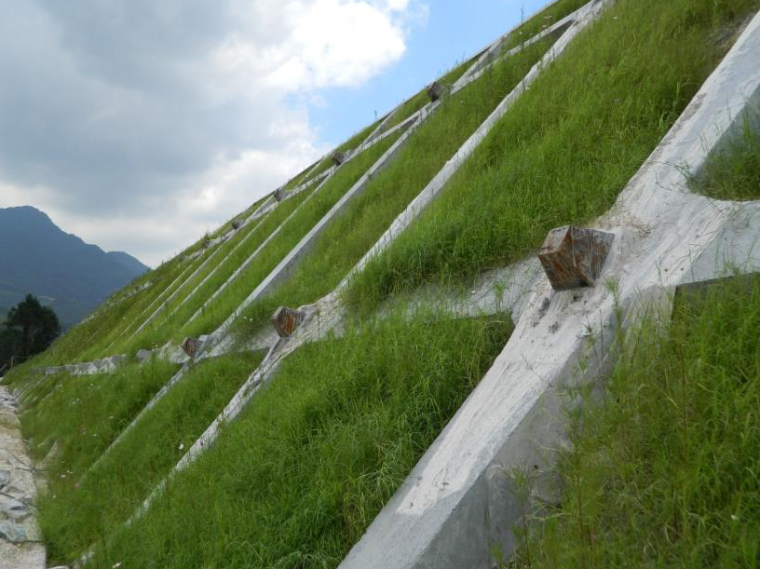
[191, 346]
[285, 321]
[573, 257]
[339, 157]
[437, 91]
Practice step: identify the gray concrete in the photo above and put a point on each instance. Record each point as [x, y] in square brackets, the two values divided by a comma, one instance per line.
[459, 500]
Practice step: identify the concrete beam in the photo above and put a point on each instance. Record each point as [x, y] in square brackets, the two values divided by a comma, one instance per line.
[458, 502]
[437, 184]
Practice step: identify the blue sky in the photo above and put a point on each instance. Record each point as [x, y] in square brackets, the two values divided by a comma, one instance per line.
[139, 125]
[453, 32]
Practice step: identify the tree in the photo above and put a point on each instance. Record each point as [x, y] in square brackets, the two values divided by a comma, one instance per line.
[30, 329]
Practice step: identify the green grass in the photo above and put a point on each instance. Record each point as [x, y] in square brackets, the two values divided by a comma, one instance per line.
[567, 147]
[352, 234]
[733, 171]
[184, 305]
[665, 470]
[540, 21]
[84, 414]
[297, 478]
[300, 224]
[75, 515]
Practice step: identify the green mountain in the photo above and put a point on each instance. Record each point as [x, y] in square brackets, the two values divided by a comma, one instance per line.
[67, 274]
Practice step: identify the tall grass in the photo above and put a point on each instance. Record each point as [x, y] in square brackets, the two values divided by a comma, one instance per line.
[665, 470]
[83, 415]
[75, 515]
[568, 146]
[297, 478]
[292, 232]
[732, 172]
[352, 234]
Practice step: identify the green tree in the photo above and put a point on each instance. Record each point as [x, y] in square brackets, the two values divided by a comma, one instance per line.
[29, 329]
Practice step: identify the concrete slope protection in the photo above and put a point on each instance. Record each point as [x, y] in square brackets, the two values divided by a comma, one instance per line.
[456, 502]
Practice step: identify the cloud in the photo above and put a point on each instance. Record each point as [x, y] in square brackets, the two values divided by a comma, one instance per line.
[140, 124]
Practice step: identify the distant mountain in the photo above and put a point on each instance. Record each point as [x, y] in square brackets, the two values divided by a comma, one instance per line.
[63, 271]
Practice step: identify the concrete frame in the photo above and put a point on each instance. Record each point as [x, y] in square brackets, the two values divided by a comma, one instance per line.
[460, 499]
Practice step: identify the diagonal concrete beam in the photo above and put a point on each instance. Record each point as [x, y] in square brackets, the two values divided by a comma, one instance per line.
[459, 501]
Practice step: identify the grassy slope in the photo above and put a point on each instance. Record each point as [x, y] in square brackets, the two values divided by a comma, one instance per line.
[295, 481]
[74, 515]
[351, 235]
[300, 224]
[568, 146]
[665, 471]
[84, 414]
[185, 305]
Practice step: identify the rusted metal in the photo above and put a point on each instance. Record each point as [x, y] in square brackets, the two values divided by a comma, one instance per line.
[573, 257]
[191, 346]
[339, 158]
[285, 321]
[437, 91]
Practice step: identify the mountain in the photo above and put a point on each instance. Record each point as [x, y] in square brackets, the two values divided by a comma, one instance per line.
[66, 273]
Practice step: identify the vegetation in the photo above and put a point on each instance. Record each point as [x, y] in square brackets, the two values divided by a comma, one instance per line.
[296, 479]
[352, 234]
[94, 506]
[547, 17]
[411, 106]
[232, 254]
[120, 312]
[566, 148]
[292, 232]
[351, 144]
[83, 415]
[29, 328]
[732, 172]
[664, 470]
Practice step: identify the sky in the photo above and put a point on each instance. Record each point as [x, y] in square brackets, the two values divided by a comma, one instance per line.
[139, 125]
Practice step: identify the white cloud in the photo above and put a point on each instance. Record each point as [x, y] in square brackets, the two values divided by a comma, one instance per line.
[139, 124]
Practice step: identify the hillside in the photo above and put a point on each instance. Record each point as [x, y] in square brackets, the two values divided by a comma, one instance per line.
[512, 323]
[68, 274]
